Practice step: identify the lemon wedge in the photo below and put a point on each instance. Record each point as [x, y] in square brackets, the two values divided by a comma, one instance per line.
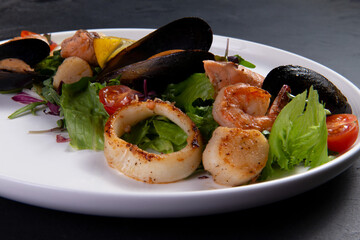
[125, 43]
[107, 47]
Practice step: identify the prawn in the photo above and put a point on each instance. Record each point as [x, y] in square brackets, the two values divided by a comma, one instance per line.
[244, 106]
[80, 45]
[222, 74]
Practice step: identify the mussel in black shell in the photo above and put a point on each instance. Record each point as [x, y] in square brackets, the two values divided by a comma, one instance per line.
[30, 51]
[162, 70]
[13, 81]
[299, 79]
[186, 34]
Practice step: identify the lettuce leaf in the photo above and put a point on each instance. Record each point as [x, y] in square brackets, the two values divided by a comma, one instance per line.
[50, 64]
[84, 115]
[299, 135]
[170, 131]
[195, 97]
[157, 133]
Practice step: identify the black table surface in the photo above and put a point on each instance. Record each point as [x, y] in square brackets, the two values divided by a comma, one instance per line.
[326, 31]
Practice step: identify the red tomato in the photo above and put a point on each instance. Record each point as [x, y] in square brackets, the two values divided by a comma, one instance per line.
[115, 97]
[25, 33]
[343, 130]
[52, 46]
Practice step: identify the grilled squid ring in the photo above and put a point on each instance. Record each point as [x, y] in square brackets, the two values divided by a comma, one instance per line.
[145, 166]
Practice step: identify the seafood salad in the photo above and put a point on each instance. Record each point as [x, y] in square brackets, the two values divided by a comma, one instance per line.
[164, 106]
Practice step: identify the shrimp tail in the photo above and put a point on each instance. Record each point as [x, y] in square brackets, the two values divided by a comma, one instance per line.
[280, 101]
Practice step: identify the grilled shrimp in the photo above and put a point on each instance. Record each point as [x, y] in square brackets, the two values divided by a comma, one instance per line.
[235, 156]
[244, 106]
[80, 45]
[222, 74]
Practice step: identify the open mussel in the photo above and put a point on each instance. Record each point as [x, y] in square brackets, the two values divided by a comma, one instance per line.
[30, 50]
[185, 33]
[162, 70]
[22, 53]
[299, 79]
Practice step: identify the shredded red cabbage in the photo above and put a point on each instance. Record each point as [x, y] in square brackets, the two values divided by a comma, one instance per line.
[54, 109]
[61, 139]
[147, 94]
[25, 98]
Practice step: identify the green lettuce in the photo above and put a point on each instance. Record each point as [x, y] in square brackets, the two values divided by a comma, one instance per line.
[50, 64]
[157, 133]
[299, 135]
[84, 115]
[195, 97]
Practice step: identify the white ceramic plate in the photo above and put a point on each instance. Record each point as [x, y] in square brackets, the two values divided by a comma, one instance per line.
[36, 170]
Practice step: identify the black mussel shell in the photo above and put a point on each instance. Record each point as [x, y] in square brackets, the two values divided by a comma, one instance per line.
[13, 81]
[299, 79]
[30, 50]
[161, 71]
[185, 33]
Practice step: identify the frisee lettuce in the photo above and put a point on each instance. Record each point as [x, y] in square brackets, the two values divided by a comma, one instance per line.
[299, 135]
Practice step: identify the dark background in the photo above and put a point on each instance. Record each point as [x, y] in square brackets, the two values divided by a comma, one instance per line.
[327, 31]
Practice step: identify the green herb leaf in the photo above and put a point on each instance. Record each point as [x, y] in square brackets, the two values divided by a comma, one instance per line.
[220, 58]
[236, 59]
[31, 107]
[244, 62]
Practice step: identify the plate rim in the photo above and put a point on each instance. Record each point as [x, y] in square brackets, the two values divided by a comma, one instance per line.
[345, 160]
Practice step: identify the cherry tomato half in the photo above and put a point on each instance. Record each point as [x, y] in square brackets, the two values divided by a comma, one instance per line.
[52, 46]
[115, 97]
[343, 130]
